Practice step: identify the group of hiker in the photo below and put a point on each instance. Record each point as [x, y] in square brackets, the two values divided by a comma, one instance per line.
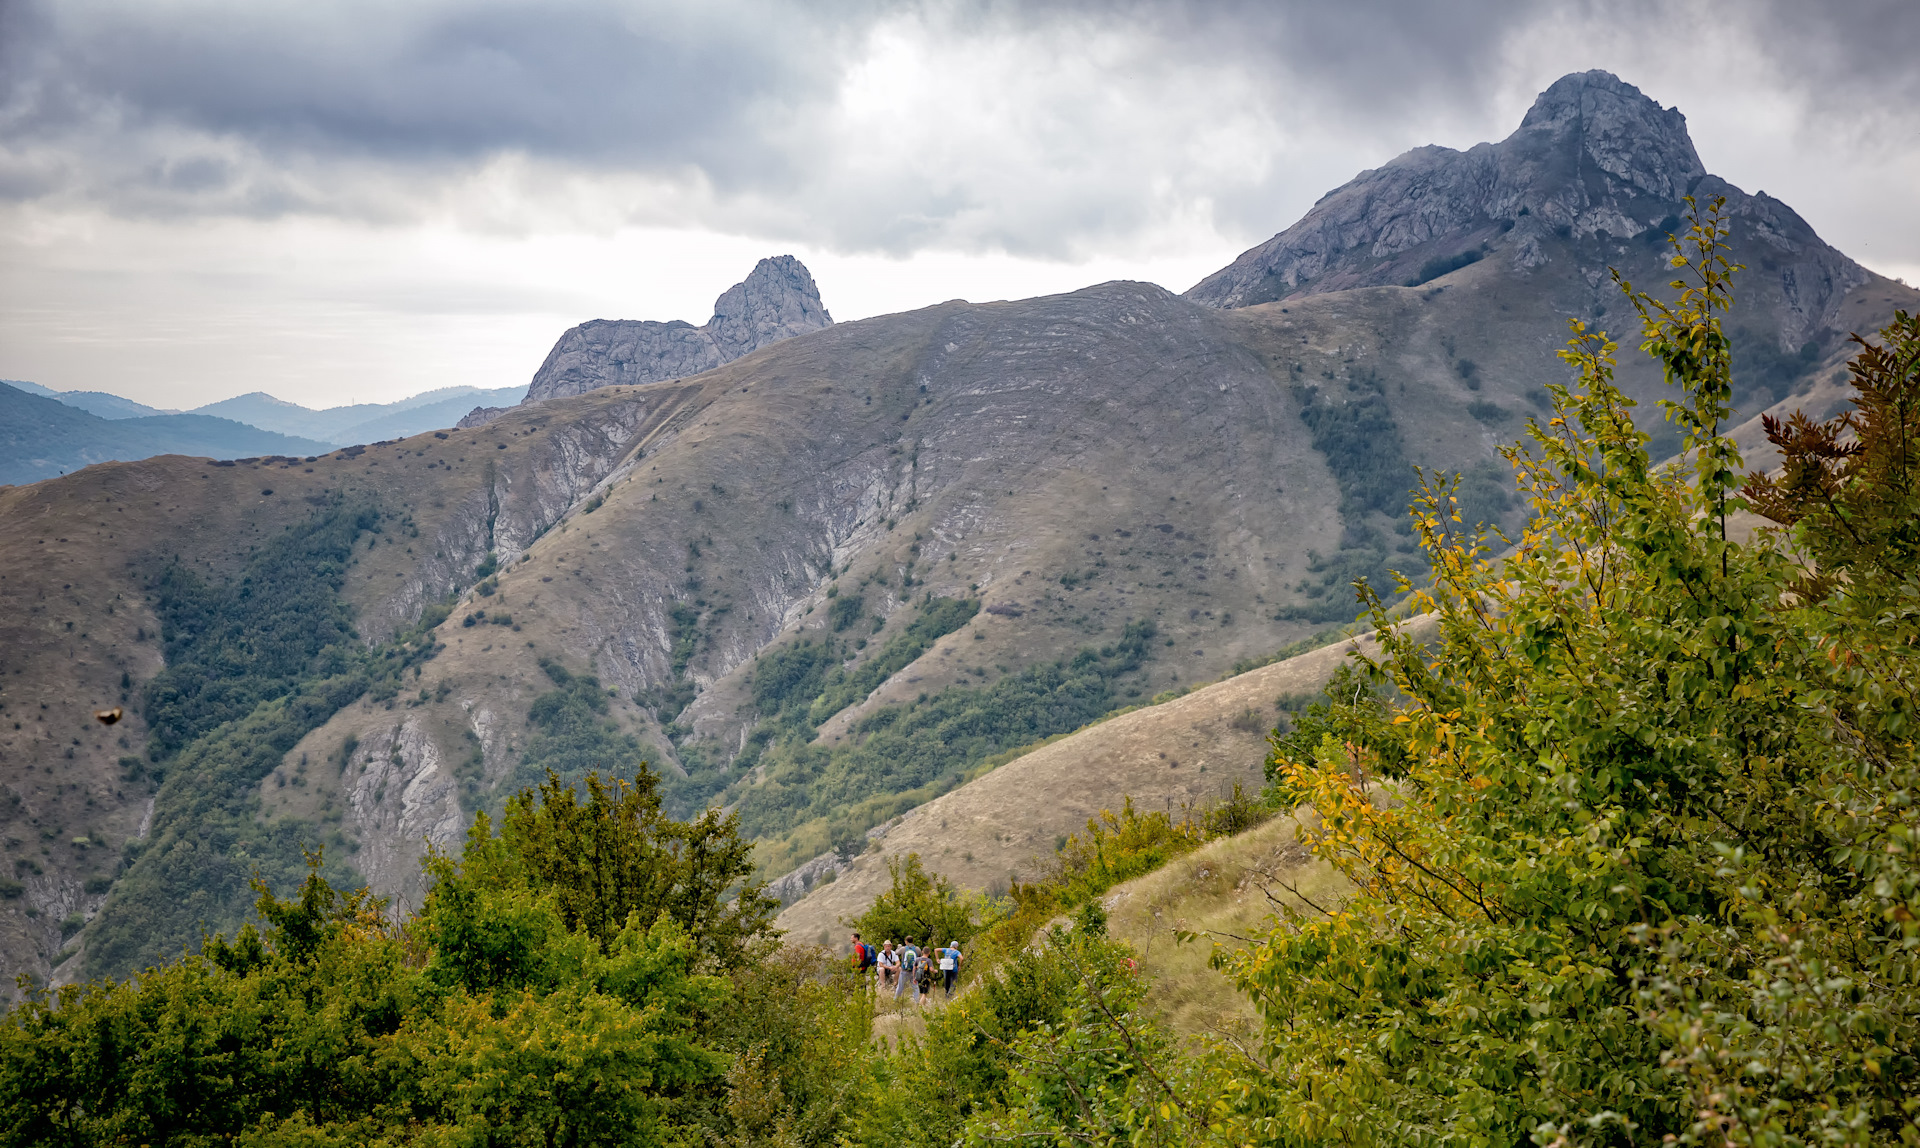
[920, 965]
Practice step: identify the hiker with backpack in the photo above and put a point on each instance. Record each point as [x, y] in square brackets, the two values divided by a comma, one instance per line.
[923, 976]
[909, 965]
[862, 958]
[889, 962]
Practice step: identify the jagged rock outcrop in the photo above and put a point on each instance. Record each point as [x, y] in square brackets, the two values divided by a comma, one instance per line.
[479, 417]
[1593, 160]
[777, 301]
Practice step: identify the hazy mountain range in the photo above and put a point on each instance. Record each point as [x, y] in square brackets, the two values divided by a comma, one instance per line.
[41, 441]
[825, 581]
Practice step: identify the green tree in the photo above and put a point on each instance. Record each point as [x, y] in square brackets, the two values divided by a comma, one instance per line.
[615, 854]
[917, 906]
[326, 1029]
[800, 1031]
[1354, 705]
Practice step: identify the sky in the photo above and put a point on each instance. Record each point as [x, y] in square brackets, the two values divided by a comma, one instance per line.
[356, 201]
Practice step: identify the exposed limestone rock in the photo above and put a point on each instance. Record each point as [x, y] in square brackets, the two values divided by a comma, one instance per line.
[400, 793]
[480, 416]
[1593, 162]
[778, 301]
[520, 497]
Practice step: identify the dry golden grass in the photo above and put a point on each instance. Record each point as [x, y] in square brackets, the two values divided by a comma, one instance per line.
[1228, 892]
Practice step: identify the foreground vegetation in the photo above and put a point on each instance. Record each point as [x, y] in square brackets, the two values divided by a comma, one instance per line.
[1630, 851]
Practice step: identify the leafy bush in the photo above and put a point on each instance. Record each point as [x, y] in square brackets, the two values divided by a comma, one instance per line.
[1355, 706]
[584, 977]
[845, 610]
[993, 1047]
[1114, 848]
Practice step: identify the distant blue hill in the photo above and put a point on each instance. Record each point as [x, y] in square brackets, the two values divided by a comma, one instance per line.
[108, 406]
[42, 437]
[363, 422]
[334, 426]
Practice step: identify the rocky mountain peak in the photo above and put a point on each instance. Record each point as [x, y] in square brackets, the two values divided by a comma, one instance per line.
[1593, 163]
[776, 301]
[1612, 130]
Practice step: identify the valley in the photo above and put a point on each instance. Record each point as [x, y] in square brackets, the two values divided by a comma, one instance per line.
[833, 582]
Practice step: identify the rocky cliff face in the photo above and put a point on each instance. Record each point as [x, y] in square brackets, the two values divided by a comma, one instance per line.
[777, 301]
[1593, 162]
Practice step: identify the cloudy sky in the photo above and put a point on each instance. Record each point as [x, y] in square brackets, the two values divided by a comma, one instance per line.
[352, 201]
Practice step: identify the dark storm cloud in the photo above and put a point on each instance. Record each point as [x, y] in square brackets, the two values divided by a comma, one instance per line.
[1374, 58]
[1854, 55]
[260, 110]
[599, 84]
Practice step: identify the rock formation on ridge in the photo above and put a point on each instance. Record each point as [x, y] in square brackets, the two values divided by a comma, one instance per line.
[778, 300]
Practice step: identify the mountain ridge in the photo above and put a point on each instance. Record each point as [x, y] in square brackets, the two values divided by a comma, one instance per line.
[253, 423]
[359, 422]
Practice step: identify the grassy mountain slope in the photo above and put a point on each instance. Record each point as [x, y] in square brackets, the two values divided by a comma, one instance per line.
[1005, 823]
[80, 626]
[1225, 890]
[1075, 465]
